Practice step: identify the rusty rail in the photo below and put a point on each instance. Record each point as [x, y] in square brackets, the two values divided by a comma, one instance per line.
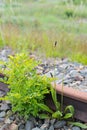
[70, 97]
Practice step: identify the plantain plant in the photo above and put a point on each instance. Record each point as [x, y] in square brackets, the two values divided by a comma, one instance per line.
[58, 114]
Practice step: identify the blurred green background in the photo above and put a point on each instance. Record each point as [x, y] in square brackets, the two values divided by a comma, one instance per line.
[35, 25]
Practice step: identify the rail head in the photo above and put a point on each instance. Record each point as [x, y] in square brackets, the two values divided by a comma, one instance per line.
[72, 93]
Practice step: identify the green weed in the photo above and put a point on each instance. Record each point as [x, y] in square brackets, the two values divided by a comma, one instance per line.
[27, 88]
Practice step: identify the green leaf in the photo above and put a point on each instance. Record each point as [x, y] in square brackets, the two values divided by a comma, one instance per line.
[1, 80]
[44, 116]
[83, 126]
[68, 115]
[54, 97]
[45, 108]
[57, 114]
[69, 108]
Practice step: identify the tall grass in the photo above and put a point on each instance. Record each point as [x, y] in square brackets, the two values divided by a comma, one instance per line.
[35, 26]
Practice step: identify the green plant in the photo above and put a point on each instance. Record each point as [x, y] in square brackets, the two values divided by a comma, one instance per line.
[81, 125]
[79, 57]
[58, 113]
[27, 88]
[69, 12]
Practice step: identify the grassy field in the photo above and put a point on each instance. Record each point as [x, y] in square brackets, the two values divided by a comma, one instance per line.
[35, 25]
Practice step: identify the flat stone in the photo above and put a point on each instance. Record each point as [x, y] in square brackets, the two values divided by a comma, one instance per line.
[66, 128]
[4, 127]
[51, 72]
[21, 127]
[12, 118]
[5, 52]
[1, 119]
[78, 78]
[74, 73]
[8, 121]
[13, 127]
[36, 128]
[68, 81]
[75, 128]
[61, 76]
[29, 125]
[4, 107]
[52, 121]
[2, 114]
[64, 66]
[44, 127]
[83, 72]
[51, 127]
[59, 124]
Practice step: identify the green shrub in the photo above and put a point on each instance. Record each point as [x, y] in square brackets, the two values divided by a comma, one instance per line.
[27, 88]
[77, 2]
[69, 12]
[80, 58]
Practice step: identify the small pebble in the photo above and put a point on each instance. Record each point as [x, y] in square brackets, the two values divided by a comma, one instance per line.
[8, 121]
[4, 107]
[59, 124]
[13, 127]
[75, 128]
[36, 128]
[51, 127]
[2, 114]
[29, 125]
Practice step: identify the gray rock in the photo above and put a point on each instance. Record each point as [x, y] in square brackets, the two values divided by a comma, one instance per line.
[45, 125]
[68, 81]
[4, 127]
[75, 128]
[29, 125]
[52, 121]
[12, 118]
[51, 127]
[4, 107]
[61, 76]
[5, 52]
[53, 72]
[21, 127]
[1, 119]
[2, 93]
[66, 128]
[83, 72]
[2, 114]
[3, 58]
[36, 128]
[33, 120]
[7, 121]
[59, 124]
[74, 73]
[64, 66]
[39, 123]
[13, 126]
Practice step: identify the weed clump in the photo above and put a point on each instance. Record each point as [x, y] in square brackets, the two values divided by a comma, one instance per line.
[27, 88]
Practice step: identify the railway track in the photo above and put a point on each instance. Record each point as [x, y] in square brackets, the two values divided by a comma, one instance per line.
[70, 97]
